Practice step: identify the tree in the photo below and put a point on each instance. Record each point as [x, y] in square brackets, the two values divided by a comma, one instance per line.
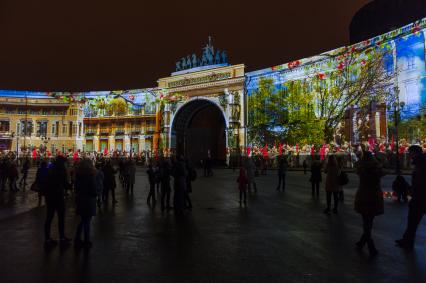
[356, 78]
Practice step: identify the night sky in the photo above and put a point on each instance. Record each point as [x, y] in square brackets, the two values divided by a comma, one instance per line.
[94, 45]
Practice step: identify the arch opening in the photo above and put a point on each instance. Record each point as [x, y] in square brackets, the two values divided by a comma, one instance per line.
[199, 127]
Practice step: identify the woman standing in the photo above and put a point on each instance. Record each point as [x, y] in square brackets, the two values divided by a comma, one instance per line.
[85, 196]
[369, 198]
[332, 186]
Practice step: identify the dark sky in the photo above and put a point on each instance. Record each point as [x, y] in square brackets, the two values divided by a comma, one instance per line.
[95, 45]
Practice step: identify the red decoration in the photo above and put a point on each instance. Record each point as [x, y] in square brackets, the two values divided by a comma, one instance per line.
[132, 97]
[293, 64]
[321, 76]
[416, 28]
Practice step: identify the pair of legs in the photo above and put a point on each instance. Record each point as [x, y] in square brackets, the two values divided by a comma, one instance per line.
[315, 188]
[83, 226]
[243, 193]
[415, 215]
[165, 196]
[51, 208]
[336, 201]
[254, 186]
[281, 180]
[106, 193]
[23, 180]
[151, 195]
[12, 185]
[367, 224]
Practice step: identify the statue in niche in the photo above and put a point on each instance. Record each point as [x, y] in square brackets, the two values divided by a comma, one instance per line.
[184, 66]
[194, 61]
[178, 66]
[224, 57]
[188, 62]
[217, 59]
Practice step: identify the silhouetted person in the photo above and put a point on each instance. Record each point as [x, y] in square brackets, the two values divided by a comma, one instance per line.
[208, 165]
[3, 173]
[99, 182]
[131, 172]
[316, 176]
[282, 171]
[41, 180]
[152, 180]
[109, 182]
[250, 171]
[13, 176]
[55, 199]
[305, 166]
[165, 185]
[24, 171]
[190, 177]
[368, 198]
[179, 176]
[417, 205]
[242, 185]
[85, 196]
[400, 187]
[332, 186]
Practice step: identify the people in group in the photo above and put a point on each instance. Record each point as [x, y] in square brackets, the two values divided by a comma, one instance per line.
[332, 186]
[316, 176]
[400, 187]
[54, 194]
[242, 181]
[41, 180]
[282, 171]
[417, 205]
[86, 191]
[369, 198]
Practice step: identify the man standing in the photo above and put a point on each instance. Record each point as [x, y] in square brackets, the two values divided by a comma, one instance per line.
[282, 170]
[417, 206]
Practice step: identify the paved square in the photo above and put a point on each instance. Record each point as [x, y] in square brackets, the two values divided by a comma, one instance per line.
[278, 237]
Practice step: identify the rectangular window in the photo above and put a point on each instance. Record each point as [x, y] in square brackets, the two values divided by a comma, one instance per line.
[64, 129]
[54, 129]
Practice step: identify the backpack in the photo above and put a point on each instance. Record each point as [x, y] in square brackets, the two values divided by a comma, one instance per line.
[343, 178]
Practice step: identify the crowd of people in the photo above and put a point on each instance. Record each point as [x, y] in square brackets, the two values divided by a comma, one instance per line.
[92, 181]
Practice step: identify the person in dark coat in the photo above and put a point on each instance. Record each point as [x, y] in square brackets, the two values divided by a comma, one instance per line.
[400, 188]
[179, 176]
[332, 186]
[191, 175]
[109, 182]
[41, 180]
[242, 185]
[165, 185]
[417, 205]
[54, 194]
[282, 170]
[152, 181]
[24, 171]
[85, 195]
[316, 176]
[369, 198]
[13, 177]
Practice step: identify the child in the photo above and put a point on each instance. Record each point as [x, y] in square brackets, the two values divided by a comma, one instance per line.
[400, 187]
[242, 184]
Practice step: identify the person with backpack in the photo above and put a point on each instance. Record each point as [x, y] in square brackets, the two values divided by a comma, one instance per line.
[368, 198]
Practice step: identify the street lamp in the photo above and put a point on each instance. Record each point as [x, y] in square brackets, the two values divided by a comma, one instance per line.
[397, 107]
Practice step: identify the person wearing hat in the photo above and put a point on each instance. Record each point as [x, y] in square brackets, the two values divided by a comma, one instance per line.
[417, 206]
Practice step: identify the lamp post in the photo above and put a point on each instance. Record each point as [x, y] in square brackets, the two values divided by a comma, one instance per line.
[397, 106]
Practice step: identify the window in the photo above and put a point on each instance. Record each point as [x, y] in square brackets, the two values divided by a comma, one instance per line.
[54, 128]
[4, 126]
[41, 128]
[411, 62]
[74, 129]
[64, 129]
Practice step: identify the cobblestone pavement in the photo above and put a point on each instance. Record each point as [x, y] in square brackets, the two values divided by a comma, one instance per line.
[278, 237]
